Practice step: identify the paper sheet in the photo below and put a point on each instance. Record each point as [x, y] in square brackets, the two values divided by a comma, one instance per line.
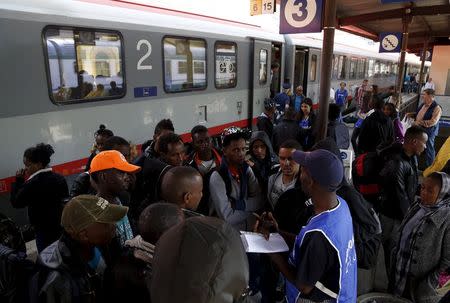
[256, 243]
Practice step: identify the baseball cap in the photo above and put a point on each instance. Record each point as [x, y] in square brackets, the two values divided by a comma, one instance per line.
[286, 85]
[83, 210]
[112, 159]
[234, 133]
[324, 167]
[269, 103]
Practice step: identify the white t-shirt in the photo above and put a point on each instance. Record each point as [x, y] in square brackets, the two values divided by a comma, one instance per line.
[206, 166]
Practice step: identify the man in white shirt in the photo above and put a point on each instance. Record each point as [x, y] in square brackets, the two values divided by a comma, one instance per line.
[429, 85]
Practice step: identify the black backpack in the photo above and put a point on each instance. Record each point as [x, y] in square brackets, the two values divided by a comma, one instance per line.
[10, 235]
[15, 273]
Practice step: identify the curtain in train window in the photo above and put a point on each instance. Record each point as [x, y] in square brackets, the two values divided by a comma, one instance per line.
[263, 66]
[313, 68]
[226, 64]
[341, 67]
[184, 64]
[353, 68]
[84, 65]
[371, 70]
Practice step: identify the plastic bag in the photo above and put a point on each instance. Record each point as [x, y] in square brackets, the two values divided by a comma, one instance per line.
[407, 122]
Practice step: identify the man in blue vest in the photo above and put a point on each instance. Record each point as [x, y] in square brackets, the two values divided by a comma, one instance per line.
[322, 263]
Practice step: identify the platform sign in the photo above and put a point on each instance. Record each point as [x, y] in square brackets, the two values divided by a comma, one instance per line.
[301, 16]
[428, 55]
[268, 6]
[255, 7]
[390, 42]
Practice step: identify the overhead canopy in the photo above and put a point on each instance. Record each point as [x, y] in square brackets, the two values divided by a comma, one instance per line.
[368, 18]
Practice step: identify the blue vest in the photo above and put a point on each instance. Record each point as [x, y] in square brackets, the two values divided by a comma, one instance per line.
[336, 226]
[434, 130]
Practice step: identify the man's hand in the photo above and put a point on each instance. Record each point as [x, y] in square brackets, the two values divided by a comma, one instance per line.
[265, 224]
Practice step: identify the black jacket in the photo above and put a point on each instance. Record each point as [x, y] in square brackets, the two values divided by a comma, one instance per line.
[203, 206]
[285, 130]
[338, 131]
[292, 210]
[65, 277]
[377, 132]
[399, 180]
[265, 124]
[82, 185]
[44, 194]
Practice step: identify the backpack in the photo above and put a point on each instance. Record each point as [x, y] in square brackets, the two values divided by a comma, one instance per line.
[16, 272]
[366, 227]
[10, 235]
[365, 175]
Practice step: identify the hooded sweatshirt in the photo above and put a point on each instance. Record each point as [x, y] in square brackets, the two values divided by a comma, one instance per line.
[266, 167]
[201, 260]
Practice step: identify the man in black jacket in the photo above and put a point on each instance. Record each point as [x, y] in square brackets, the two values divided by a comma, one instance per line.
[206, 159]
[399, 180]
[265, 121]
[287, 129]
[377, 130]
[73, 266]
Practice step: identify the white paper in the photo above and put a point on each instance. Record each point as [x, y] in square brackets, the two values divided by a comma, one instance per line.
[256, 243]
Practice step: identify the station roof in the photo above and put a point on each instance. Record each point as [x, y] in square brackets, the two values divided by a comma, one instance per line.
[368, 18]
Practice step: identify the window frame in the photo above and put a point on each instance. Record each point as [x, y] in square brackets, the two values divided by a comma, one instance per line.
[82, 28]
[262, 83]
[315, 62]
[215, 65]
[164, 64]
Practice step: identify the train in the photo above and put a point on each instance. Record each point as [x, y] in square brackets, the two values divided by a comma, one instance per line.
[68, 66]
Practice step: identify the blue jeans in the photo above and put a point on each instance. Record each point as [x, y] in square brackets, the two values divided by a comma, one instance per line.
[430, 152]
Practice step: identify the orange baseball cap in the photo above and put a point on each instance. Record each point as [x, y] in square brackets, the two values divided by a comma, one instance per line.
[112, 159]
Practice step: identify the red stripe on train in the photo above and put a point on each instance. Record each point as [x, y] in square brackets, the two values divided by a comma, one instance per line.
[77, 166]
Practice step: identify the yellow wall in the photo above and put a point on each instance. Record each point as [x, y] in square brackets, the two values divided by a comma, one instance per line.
[440, 65]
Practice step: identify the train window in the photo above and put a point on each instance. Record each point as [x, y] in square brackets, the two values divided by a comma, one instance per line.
[313, 68]
[83, 65]
[263, 66]
[371, 70]
[226, 64]
[335, 71]
[353, 68]
[341, 67]
[361, 68]
[184, 64]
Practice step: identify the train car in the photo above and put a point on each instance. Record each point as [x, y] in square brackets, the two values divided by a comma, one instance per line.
[69, 66]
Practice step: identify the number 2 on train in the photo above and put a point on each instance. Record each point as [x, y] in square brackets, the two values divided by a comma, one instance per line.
[140, 65]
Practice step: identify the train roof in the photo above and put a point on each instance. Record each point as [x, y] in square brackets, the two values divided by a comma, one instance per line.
[134, 16]
[351, 44]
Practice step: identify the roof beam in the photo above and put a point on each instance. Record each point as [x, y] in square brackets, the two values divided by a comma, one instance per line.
[360, 31]
[430, 34]
[396, 14]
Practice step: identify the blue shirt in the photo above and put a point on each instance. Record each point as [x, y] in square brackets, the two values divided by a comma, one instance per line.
[281, 100]
[341, 96]
[298, 102]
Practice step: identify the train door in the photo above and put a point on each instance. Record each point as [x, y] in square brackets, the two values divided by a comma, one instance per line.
[313, 75]
[300, 69]
[261, 77]
[275, 60]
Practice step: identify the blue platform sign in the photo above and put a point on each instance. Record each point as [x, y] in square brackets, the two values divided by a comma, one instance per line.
[300, 16]
[428, 55]
[142, 92]
[390, 42]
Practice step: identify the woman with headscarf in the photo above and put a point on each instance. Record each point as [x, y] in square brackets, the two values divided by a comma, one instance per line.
[423, 248]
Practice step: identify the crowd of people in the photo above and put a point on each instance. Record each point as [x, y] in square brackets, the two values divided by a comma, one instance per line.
[163, 225]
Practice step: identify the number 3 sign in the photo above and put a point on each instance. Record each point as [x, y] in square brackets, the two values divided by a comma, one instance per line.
[300, 16]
